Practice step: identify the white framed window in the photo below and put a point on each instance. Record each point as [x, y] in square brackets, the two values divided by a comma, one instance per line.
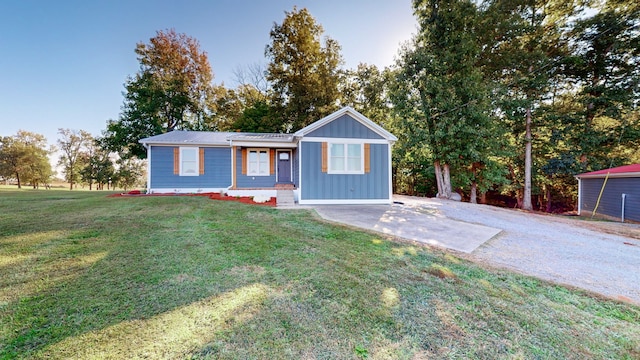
[189, 161]
[346, 158]
[258, 162]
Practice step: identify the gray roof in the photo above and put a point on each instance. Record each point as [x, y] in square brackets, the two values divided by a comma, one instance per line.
[177, 137]
[189, 137]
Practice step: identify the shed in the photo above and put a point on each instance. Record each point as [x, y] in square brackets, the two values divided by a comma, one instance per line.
[620, 188]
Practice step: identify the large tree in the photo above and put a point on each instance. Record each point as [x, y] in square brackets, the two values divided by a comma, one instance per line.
[441, 94]
[170, 91]
[24, 157]
[303, 70]
[73, 146]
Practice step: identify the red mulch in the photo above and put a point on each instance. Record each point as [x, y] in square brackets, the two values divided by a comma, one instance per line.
[212, 196]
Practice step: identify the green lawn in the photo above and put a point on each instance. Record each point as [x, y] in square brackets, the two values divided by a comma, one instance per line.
[86, 276]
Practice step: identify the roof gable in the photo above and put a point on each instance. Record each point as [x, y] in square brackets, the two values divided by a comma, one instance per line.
[351, 113]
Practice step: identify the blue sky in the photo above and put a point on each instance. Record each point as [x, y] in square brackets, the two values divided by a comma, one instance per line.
[63, 63]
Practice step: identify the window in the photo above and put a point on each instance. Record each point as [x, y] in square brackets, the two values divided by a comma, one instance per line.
[345, 159]
[189, 161]
[258, 161]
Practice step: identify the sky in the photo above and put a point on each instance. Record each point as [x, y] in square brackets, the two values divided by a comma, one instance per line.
[63, 63]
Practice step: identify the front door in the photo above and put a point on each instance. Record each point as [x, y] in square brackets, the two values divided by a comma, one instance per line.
[284, 167]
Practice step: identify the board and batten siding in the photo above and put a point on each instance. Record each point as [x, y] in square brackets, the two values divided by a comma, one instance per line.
[217, 162]
[611, 200]
[345, 127]
[318, 185]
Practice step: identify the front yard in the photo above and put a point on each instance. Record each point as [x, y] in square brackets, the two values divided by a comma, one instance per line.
[86, 276]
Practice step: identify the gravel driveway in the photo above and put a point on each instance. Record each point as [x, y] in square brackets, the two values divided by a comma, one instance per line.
[559, 249]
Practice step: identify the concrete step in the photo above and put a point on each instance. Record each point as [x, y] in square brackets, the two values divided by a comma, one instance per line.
[284, 198]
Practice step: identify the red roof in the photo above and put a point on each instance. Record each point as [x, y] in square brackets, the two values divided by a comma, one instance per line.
[634, 168]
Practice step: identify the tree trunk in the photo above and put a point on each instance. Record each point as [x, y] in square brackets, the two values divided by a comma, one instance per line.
[439, 181]
[474, 193]
[18, 178]
[548, 199]
[526, 199]
[446, 177]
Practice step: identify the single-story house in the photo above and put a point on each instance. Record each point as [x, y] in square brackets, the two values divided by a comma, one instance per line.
[620, 188]
[344, 158]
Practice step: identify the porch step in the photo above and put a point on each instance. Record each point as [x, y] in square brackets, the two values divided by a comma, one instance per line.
[285, 198]
[285, 186]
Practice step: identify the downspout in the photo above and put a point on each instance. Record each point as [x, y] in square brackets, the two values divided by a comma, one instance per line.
[579, 195]
[624, 197]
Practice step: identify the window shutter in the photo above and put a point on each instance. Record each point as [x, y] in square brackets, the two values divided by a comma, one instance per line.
[176, 161]
[325, 157]
[272, 164]
[244, 161]
[201, 160]
[367, 158]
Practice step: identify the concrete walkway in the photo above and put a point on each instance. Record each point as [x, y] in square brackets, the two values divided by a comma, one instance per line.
[410, 223]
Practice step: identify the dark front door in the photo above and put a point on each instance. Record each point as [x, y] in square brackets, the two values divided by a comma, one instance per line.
[284, 167]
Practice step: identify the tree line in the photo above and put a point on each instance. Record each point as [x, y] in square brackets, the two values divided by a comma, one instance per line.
[499, 100]
[24, 158]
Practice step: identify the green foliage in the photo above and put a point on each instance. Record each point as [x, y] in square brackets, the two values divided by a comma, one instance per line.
[25, 158]
[170, 91]
[302, 70]
[73, 145]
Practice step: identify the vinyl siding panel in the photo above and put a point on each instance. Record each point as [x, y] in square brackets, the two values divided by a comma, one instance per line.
[611, 201]
[345, 127]
[317, 185]
[217, 162]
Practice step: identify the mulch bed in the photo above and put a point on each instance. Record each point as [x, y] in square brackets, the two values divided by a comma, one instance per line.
[212, 196]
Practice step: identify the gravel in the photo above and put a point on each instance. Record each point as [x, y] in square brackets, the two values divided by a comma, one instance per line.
[555, 248]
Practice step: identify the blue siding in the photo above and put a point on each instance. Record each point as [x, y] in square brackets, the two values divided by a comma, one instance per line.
[317, 185]
[251, 182]
[345, 127]
[217, 165]
[611, 201]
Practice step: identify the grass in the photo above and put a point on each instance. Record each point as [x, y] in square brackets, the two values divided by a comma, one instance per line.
[86, 276]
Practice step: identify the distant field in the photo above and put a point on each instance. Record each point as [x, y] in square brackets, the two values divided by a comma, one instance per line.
[86, 276]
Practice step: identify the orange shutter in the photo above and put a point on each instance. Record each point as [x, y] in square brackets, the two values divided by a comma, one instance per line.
[325, 156]
[367, 158]
[201, 158]
[176, 161]
[244, 161]
[272, 156]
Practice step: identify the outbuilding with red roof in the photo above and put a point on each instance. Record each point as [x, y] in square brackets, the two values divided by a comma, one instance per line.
[613, 193]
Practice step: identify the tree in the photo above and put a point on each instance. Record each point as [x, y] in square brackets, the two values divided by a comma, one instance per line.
[24, 157]
[73, 145]
[302, 70]
[98, 166]
[170, 91]
[129, 173]
[441, 94]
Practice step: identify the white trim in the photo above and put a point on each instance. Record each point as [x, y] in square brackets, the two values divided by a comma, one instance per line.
[299, 154]
[346, 202]
[197, 161]
[249, 192]
[579, 196]
[148, 168]
[345, 140]
[258, 151]
[611, 175]
[355, 115]
[258, 144]
[185, 190]
[344, 159]
[290, 152]
[390, 175]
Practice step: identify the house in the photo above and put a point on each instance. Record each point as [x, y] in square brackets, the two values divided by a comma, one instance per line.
[344, 158]
[614, 193]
